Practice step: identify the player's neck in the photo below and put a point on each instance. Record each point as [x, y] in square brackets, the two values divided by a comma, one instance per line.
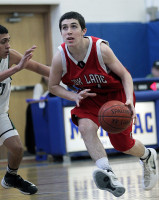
[79, 52]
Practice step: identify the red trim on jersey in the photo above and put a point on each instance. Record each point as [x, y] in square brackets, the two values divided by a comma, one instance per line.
[92, 76]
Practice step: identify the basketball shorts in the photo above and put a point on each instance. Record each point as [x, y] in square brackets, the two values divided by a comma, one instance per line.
[89, 108]
[7, 128]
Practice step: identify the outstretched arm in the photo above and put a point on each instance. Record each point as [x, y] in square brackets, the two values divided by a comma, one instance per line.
[21, 65]
[31, 65]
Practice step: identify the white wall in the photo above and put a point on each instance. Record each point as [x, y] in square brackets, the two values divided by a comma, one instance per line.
[99, 11]
[56, 36]
[107, 10]
[29, 2]
[152, 3]
[92, 10]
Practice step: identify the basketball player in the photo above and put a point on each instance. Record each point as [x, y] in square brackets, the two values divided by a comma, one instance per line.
[8, 134]
[90, 65]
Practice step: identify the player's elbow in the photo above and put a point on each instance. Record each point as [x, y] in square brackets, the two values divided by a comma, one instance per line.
[52, 88]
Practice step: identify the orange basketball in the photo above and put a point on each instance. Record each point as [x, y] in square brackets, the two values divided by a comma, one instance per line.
[114, 117]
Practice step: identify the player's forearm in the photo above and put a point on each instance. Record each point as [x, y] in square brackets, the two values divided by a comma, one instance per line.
[9, 72]
[128, 87]
[60, 91]
[38, 68]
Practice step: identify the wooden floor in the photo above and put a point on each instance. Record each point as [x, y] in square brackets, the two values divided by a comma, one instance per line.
[73, 181]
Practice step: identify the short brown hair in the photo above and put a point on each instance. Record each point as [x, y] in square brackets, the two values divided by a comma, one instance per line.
[73, 15]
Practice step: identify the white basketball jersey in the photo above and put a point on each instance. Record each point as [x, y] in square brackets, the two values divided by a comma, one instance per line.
[5, 87]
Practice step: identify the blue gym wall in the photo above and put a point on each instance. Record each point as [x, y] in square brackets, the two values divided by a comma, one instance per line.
[153, 41]
[135, 44]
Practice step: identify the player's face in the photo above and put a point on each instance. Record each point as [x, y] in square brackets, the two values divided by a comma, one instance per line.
[4, 45]
[71, 32]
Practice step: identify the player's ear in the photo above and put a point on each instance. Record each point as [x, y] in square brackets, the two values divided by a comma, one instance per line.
[84, 31]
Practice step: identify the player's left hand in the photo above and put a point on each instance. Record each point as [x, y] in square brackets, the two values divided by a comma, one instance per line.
[130, 104]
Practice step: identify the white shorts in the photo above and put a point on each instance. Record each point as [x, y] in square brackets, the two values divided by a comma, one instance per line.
[7, 129]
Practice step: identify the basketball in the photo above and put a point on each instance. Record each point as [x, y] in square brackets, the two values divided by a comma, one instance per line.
[114, 117]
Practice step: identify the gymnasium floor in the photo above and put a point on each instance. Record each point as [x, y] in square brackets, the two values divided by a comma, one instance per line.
[73, 181]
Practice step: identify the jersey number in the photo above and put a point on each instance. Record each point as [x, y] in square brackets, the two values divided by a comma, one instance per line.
[2, 87]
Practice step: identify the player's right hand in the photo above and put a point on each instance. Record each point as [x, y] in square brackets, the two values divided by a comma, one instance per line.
[82, 95]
